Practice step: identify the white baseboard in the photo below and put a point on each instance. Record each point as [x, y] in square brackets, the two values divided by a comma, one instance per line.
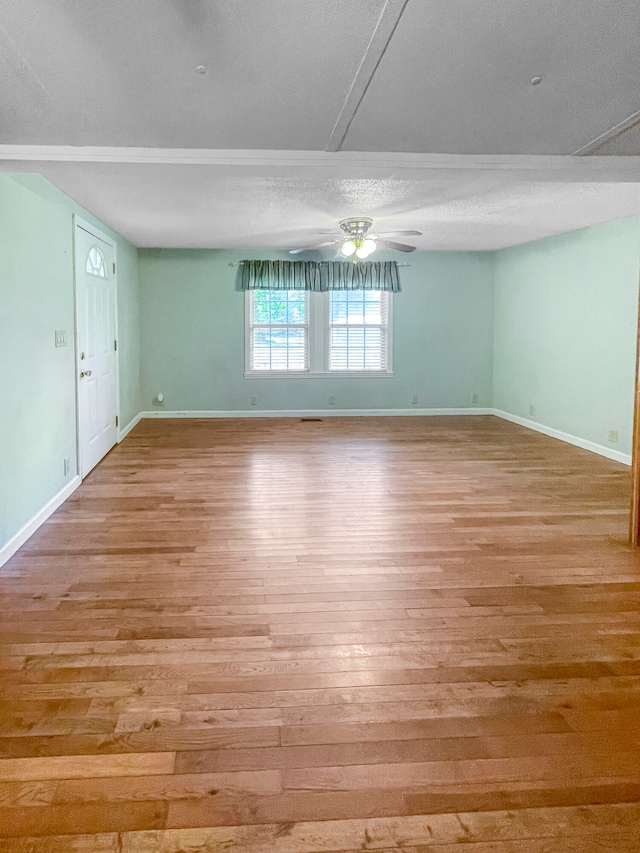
[600, 449]
[126, 430]
[35, 521]
[314, 413]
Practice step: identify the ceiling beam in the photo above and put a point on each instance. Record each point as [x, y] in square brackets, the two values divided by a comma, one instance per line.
[387, 23]
[341, 164]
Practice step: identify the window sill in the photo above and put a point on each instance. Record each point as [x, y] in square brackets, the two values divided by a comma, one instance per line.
[333, 374]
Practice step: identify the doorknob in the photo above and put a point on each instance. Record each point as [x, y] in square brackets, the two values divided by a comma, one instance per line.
[85, 373]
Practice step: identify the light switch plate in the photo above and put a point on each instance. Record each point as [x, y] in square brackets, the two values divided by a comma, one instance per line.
[61, 338]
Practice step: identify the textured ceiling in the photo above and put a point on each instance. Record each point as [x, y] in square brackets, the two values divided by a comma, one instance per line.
[456, 77]
[207, 207]
[450, 77]
[124, 73]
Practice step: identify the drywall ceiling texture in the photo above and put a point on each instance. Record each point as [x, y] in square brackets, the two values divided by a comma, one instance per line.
[456, 77]
[203, 207]
[124, 74]
[624, 144]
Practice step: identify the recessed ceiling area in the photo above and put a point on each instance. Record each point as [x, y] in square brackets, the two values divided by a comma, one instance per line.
[160, 117]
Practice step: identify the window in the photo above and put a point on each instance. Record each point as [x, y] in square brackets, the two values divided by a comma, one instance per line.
[298, 332]
[95, 264]
[358, 330]
[279, 333]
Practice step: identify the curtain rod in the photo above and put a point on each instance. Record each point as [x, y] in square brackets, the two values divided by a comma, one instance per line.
[239, 264]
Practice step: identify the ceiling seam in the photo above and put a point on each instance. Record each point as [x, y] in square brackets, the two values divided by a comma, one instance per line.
[616, 130]
[378, 43]
[26, 73]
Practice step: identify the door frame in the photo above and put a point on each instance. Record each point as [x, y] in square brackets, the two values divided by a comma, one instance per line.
[634, 515]
[79, 222]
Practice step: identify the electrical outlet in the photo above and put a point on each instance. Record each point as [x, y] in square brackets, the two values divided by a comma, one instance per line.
[613, 436]
[532, 410]
[474, 400]
[67, 465]
[414, 400]
[61, 338]
[253, 400]
[332, 399]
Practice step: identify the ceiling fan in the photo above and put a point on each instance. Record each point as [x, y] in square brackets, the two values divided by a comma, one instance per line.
[357, 241]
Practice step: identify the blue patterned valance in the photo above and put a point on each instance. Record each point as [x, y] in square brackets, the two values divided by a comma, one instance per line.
[320, 275]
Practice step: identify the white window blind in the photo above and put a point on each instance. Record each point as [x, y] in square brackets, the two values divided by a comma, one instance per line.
[358, 330]
[279, 330]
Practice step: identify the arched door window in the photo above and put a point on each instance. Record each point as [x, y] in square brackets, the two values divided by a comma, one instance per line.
[96, 264]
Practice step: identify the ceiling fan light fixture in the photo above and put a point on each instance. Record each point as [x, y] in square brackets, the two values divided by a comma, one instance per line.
[347, 248]
[368, 246]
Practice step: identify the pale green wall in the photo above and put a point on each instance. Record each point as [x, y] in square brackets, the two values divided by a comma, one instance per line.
[192, 320]
[565, 331]
[37, 381]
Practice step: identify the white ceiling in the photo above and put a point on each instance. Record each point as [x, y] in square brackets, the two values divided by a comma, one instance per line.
[445, 77]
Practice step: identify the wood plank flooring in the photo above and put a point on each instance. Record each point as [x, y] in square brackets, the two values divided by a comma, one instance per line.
[326, 636]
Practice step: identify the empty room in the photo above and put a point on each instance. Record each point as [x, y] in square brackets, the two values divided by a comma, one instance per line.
[319, 464]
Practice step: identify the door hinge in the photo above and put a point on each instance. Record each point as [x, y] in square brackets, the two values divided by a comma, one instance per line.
[115, 345]
[114, 267]
[116, 420]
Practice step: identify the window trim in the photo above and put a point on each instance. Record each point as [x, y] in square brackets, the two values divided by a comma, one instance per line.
[318, 344]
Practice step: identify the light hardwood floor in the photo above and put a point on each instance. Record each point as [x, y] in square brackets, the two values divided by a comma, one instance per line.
[277, 636]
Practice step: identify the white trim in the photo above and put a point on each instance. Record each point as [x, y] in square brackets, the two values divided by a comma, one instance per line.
[354, 163]
[327, 374]
[306, 413]
[132, 423]
[37, 520]
[616, 130]
[600, 449]
[79, 222]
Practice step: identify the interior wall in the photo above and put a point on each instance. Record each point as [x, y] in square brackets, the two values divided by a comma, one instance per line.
[566, 313]
[38, 414]
[193, 337]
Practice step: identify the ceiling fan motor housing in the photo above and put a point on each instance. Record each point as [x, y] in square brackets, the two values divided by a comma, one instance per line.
[356, 227]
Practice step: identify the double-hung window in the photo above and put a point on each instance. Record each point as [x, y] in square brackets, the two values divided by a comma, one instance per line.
[358, 330]
[294, 332]
[279, 330]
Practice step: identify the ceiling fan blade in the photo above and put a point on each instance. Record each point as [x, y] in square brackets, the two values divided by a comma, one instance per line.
[315, 246]
[399, 247]
[399, 233]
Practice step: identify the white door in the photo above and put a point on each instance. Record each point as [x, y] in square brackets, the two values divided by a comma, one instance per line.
[96, 345]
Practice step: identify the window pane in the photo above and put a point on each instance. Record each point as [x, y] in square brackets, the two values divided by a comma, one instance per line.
[279, 349]
[261, 306]
[279, 306]
[296, 306]
[373, 307]
[356, 306]
[96, 264]
[357, 348]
